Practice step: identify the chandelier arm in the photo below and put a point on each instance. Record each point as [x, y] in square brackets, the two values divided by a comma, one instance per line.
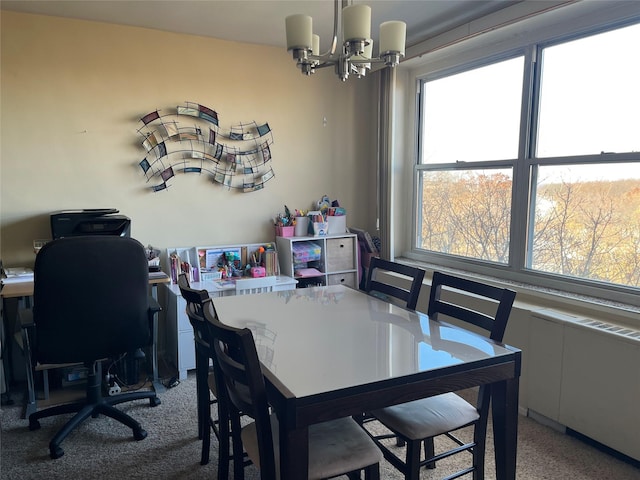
[360, 61]
[329, 63]
[334, 43]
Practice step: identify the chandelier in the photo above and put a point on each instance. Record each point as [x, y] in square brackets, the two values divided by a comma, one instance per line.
[355, 56]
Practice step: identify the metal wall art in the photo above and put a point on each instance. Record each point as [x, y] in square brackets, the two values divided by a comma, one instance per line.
[189, 140]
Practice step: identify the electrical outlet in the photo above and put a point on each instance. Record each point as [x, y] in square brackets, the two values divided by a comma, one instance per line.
[114, 389]
[38, 244]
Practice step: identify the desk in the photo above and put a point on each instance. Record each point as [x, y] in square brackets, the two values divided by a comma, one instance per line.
[332, 352]
[10, 294]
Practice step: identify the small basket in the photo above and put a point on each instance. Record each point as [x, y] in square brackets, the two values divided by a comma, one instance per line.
[285, 231]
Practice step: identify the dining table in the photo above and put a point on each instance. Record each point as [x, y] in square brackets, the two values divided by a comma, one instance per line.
[332, 352]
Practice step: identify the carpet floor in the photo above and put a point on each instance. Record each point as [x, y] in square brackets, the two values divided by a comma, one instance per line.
[102, 448]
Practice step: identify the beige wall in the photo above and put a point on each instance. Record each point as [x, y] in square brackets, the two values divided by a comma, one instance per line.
[72, 94]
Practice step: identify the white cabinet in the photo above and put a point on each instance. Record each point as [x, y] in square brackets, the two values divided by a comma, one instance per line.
[330, 260]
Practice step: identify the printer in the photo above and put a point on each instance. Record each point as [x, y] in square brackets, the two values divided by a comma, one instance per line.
[97, 221]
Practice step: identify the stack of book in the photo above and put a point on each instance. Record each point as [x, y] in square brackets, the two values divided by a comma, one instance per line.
[16, 275]
[180, 265]
[270, 261]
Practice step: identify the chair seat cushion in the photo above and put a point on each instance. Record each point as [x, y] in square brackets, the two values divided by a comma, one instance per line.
[335, 447]
[428, 417]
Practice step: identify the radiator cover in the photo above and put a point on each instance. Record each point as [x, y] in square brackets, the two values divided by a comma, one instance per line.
[585, 374]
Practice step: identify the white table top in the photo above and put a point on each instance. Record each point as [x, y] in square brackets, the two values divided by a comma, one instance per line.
[322, 339]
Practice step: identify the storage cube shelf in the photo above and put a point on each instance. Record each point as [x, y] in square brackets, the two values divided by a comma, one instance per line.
[330, 260]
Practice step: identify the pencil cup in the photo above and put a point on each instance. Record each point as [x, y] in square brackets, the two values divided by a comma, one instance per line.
[302, 226]
[337, 224]
[320, 229]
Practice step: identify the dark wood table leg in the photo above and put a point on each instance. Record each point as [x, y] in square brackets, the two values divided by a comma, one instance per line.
[504, 400]
[294, 453]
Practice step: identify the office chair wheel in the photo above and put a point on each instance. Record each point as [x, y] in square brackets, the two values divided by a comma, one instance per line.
[34, 425]
[55, 452]
[139, 434]
[155, 401]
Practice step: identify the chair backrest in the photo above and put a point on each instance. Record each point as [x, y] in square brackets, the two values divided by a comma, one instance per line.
[245, 286]
[406, 273]
[191, 295]
[494, 324]
[197, 301]
[91, 299]
[237, 360]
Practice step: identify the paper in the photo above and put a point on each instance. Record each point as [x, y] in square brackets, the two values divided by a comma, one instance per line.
[308, 272]
[17, 275]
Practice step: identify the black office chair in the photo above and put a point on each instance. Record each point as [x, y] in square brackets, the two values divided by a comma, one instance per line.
[405, 273]
[243, 389]
[91, 303]
[418, 422]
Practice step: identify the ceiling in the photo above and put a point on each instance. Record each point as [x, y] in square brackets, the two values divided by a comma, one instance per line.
[261, 21]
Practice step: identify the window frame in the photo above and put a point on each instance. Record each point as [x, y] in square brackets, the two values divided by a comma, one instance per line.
[523, 174]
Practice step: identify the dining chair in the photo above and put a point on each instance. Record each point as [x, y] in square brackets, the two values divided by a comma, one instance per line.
[197, 301]
[336, 447]
[246, 286]
[405, 274]
[417, 423]
[393, 290]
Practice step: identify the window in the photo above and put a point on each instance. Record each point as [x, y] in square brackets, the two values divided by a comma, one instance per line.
[587, 222]
[473, 115]
[453, 221]
[532, 168]
[469, 117]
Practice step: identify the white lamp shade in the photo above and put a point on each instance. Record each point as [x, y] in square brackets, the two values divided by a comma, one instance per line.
[356, 22]
[299, 31]
[393, 35]
[316, 45]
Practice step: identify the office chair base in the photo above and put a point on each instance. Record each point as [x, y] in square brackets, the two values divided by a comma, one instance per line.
[84, 410]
